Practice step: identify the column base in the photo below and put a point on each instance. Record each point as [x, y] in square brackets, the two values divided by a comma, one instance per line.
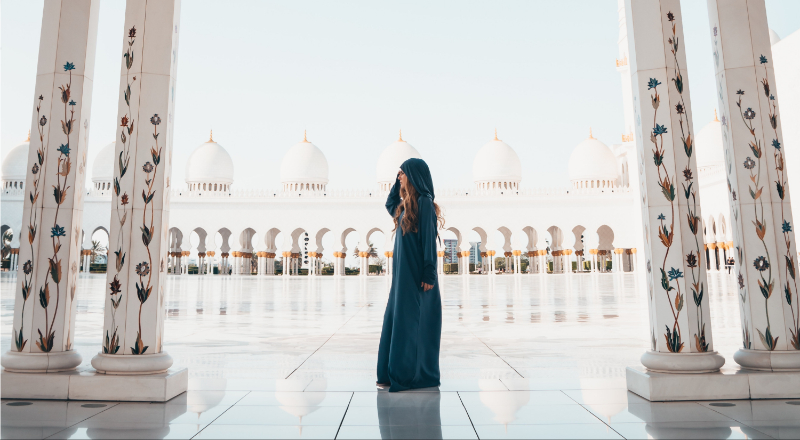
[726, 384]
[682, 362]
[87, 384]
[40, 362]
[132, 364]
[764, 360]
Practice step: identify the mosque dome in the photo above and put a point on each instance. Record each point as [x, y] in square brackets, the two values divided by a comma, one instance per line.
[496, 166]
[593, 165]
[708, 144]
[390, 160]
[304, 168]
[15, 166]
[773, 37]
[103, 167]
[209, 168]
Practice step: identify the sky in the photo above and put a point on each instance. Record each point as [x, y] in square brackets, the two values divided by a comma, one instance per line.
[353, 73]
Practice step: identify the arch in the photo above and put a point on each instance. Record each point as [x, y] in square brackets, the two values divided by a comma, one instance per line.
[605, 237]
[556, 237]
[201, 235]
[318, 239]
[506, 238]
[271, 238]
[484, 238]
[343, 237]
[224, 239]
[723, 226]
[246, 239]
[578, 232]
[175, 239]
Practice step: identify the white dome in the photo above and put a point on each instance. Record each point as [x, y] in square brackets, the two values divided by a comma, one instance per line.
[496, 162]
[773, 37]
[708, 144]
[15, 165]
[209, 163]
[390, 160]
[592, 161]
[304, 164]
[103, 166]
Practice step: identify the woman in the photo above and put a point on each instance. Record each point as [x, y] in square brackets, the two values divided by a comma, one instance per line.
[408, 356]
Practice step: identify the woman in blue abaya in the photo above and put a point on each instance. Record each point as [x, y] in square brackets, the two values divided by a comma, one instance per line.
[408, 356]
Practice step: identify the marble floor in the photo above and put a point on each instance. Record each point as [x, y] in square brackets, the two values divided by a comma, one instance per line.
[531, 356]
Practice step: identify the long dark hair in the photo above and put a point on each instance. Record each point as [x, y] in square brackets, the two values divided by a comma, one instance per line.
[409, 205]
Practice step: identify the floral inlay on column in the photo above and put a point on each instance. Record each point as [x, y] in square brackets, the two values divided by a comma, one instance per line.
[29, 266]
[666, 230]
[111, 342]
[693, 258]
[143, 290]
[60, 191]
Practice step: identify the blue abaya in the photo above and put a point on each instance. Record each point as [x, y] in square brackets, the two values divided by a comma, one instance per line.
[408, 356]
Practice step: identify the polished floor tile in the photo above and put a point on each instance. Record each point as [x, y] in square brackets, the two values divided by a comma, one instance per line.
[407, 432]
[296, 398]
[656, 412]
[129, 431]
[268, 432]
[283, 415]
[530, 414]
[568, 431]
[427, 413]
[521, 357]
[385, 399]
[688, 430]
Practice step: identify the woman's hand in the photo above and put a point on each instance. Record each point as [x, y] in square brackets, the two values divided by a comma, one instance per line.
[426, 287]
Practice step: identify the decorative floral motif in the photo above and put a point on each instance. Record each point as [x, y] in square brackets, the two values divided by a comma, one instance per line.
[60, 192]
[127, 126]
[763, 263]
[790, 287]
[670, 280]
[33, 223]
[145, 288]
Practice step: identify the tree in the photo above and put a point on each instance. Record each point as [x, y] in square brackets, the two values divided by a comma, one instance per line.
[97, 250]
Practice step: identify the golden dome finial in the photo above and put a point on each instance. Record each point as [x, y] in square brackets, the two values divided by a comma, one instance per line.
[590, 133]
[400, 139]
[716, 119]
[29, 135]
[210, 136]
[304, 137]
[495, 134]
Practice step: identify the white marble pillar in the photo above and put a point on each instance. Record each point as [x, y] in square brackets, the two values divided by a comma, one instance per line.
[680, 328]
[133, 329]
[43, 327]
[761, 215]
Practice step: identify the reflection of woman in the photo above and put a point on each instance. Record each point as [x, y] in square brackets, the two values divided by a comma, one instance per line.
[408, 356]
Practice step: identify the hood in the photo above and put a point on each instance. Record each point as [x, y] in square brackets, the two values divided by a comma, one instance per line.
[419, 175]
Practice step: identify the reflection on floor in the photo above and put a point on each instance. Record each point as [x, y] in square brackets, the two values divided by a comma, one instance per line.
[522, 357]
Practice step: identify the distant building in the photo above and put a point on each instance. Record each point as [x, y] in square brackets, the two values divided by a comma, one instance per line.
[475, 252]
[450, 251]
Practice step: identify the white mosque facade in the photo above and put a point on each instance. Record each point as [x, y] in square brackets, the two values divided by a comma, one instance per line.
[594, 221]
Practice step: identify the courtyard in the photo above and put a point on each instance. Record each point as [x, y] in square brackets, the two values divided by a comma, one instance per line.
[530, 356]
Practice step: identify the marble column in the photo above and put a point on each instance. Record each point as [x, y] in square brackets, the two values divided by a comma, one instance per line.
[43, 328]
[133, 328]
[759, 197]
[680, 329]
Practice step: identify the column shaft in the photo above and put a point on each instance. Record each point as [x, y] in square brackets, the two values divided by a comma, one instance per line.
[134, 309]
[53, 204]
[677, 299]
[761, 215]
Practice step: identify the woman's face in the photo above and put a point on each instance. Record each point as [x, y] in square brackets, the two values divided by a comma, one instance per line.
[403, 180]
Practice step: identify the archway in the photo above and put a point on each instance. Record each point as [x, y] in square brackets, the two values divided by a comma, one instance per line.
[605, 247]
